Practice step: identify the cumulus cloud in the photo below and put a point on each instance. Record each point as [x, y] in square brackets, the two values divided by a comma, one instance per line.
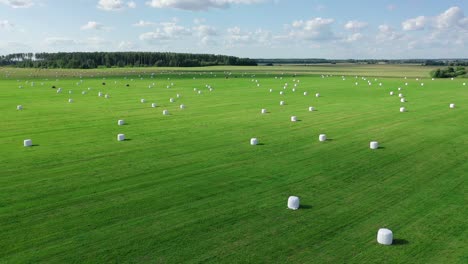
[92, 25]
[452, 17]
[143, 23]
[354, 37]
[387, 33]
[18, 3]
[115, 5]
[197, 5]
[166, 31]
[355, 25]
[315, 29]
[238, 38]
[6, 25]
[417, 23]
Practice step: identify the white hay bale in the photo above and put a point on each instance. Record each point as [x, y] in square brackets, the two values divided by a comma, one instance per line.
[70, 100]
[402, 100]
[264, 111]
[293, 118]
[178, 95]
[83, 92]
[374, 145]
[106, 96]
[59, 90]
[406, 84]
[452, 106]
[70, 92]
[281, 92]
[27, 143]
[165, 112]
[451, 79]
[385, 236]
[399, 88]
[271, 90]
[282, 103]
[253, 141]
[322, 137]
[89, 88]
[432, 79]
[171, 100]
[305, 93]
[120, 122]
[182, 106]
[120, 137]
[380, 84]
[402, 109]
[392, 93]
[153, 105]
[317, 95]
[356, 83]
[422, 84]
[100, 94]
[293, 89]
[311, 108]
[199, 92]
[400, 95]
[19, 107]
[142, 101]
[464, 84]
[195, 89]
[293, 202]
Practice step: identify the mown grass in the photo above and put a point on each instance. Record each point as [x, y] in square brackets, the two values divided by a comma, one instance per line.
[189, 188]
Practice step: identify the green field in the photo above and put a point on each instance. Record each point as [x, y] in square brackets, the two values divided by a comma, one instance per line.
[189, 188]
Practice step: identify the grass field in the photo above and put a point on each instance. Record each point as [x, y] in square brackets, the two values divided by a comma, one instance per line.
[189, 188]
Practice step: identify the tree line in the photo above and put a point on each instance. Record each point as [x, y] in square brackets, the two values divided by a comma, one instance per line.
[448, 72]
[91, 60]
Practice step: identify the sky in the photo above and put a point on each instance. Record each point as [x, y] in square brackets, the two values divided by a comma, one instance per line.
[332, 29]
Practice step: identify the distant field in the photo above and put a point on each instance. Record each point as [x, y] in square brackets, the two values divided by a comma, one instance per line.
[189, 188]
[338, 69]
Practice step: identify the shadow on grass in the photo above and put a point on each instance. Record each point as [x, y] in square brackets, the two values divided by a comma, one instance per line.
[305, 206]
[329, 139]
[260, 144]
[127, 139]
[35, 145]
[400, 242]
[381, 147]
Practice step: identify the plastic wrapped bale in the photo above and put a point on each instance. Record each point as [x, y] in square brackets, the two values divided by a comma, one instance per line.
[264, 111]
[399, 88]
[153, 105]
[143, 100]
[402, 100]
[281, 93]
[107, 96]
[374, 145]
[282, 103]
[253, 141]
[402, 109]
[70, 92]
[178, 95]
[311, 108]
[452, 106]
[400, 95]
[293, 118]
[83, 92]
[293, 89]
[182, 106]
[59, 90]
[293, 202]
[27, 143]
[406, 84]
[120, 122]
[305, 93]
[171, 100]
[322, 137]
[199, 92]
[100, 94]
[120, 137]
[422, 84]
[464, 84]
[271, 90]
[70, 100]
[317, 95]
[19, 107]
[392, 93]
[165, 112]
[385, 236]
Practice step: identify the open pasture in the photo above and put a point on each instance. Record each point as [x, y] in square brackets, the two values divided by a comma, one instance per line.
[190, 187]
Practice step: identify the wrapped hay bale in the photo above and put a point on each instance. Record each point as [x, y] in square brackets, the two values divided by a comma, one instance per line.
[153, 105]
[317, 95]
[120, 122]
[27, 143]
[143, 101]
[392, 93]
[106, 96]
[264, 111]
[293, 118]
[281, 92]
[253, 141]
[311, 108]
[182, 106]
[19, 107]
[293, 202]
[402, 109]
[374, 145]
[282, 103]
[400, 95]
[305, 93]
[120, 137]
[165, 112]
[100, 94]
[322, 137]
[70, 100]
[452, 106]
[402, 100]
[385, 236]
[171, 100]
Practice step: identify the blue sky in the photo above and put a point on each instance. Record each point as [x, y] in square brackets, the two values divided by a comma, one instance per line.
[246, 28]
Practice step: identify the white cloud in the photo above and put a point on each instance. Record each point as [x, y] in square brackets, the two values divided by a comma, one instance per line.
[317, 29]
[126, 46]
[6, 25]
[238, 38]
[387, 33]
[197, 5]
[115, 5]
[143, 23]
[355, 25]
[92, 25]
[417, 23]
[354, 37]
[18, 3]
[166, 31]
[452, 17]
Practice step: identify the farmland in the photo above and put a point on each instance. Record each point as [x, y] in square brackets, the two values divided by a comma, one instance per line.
[188, 187]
